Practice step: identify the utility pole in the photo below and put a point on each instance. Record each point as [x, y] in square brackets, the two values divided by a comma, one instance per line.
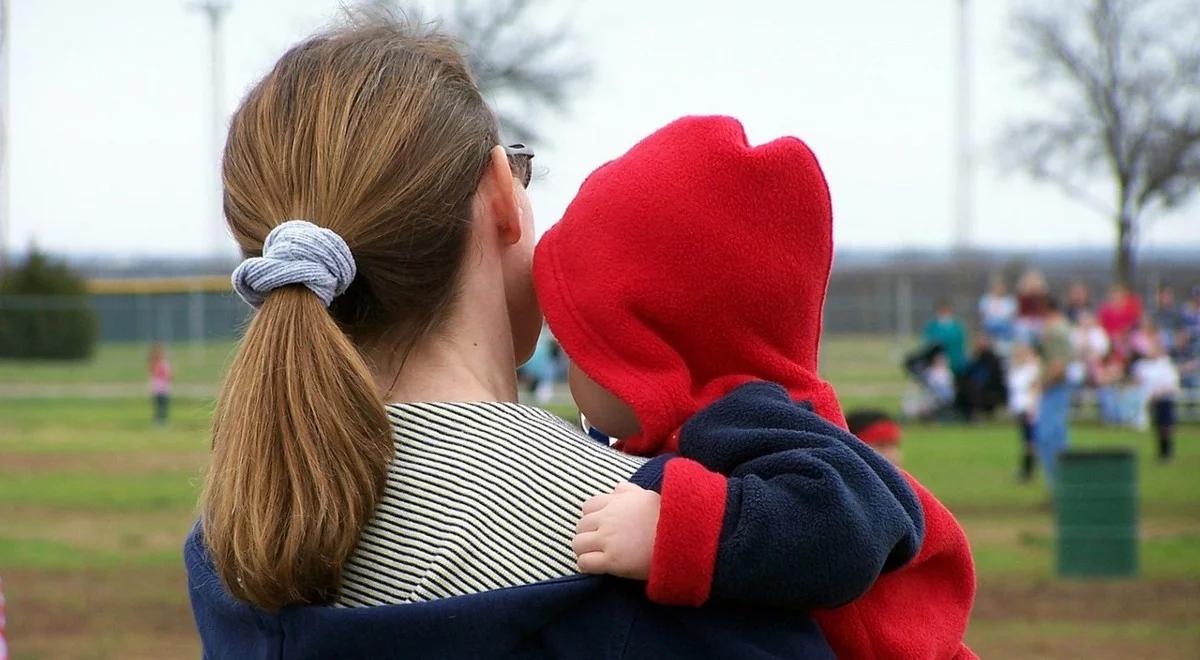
[214, 11]
[5, 161]
[963, 165]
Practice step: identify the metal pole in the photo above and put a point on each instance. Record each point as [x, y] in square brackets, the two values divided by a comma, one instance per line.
[904, 317]
[196, 322]
[214, 11]
[5, 203]
[963, 166]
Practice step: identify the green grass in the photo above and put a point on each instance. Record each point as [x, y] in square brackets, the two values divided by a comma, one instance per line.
[91, 493]
[123, 364]
[173, 490]
[86, 454]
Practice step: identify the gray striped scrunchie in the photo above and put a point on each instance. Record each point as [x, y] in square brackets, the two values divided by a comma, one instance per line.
[297, 252]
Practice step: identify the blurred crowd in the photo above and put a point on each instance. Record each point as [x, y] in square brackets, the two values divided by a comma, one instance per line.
[1034, 353]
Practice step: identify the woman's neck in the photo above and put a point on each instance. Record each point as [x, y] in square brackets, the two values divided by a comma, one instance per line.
[469, 359]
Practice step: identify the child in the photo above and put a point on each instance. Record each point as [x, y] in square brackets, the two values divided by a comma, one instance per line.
[940, 380]
[878, 430]
[1024, 374]
[682, 273]
[1159, 380]
[160, 382]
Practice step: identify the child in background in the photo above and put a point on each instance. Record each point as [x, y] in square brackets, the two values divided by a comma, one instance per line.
[160, 382]
[1024, 374]
[1159, 380]
[998, 314]
[940, 379]
[682, 275]
[878, 430]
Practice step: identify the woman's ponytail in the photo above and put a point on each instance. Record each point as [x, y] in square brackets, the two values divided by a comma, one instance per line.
[377, 135]
[301, 444]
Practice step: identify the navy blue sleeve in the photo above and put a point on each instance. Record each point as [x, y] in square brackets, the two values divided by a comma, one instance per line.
[812, 514]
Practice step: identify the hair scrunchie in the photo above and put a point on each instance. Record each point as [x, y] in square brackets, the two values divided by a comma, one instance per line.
[297, 252]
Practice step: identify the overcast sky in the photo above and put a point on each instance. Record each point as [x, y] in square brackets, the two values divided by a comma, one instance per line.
[109, 113]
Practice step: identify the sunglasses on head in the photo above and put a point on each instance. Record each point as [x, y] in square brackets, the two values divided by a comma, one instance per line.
[519, 157]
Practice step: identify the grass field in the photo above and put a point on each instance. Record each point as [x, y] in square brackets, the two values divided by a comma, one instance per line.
[95, 502]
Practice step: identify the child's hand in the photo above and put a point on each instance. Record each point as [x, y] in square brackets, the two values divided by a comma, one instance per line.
[616, 533]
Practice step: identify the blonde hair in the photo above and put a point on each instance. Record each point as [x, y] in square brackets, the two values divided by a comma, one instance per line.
[378, 132]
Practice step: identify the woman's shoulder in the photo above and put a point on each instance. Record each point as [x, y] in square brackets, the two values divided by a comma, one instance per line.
[487, 430]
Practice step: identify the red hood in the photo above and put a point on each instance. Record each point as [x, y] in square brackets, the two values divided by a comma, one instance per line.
[690, 265]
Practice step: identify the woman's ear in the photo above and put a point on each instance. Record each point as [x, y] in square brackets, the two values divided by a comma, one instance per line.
[497, 194]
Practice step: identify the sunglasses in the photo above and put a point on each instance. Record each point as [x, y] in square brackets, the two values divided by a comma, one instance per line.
[519, 156]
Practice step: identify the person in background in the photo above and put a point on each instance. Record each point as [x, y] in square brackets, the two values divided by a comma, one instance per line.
[1159, 380]
[1189, 314]
[1023, 392]
[160, 382]
[947, 331]
[981, 388]
[1186, 357]
[1145, 333]
[878, 430]
[1119, 315]
[940, 379]
[1054, 405]
[1032, 294]
[1090, 346]
[540, 371]
[1107, 377]
[1079, 301]
[1088, 339]
[998, 313]
[1167, 315]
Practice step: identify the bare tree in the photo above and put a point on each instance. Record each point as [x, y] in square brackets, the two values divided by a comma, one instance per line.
[1124, 80]
[524, 64]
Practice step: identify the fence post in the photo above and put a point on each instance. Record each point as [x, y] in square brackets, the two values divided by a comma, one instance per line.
[196, 322]
[162, 319]
[904, 312]
[145, 315]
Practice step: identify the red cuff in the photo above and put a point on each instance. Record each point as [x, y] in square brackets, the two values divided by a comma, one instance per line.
[690, 517]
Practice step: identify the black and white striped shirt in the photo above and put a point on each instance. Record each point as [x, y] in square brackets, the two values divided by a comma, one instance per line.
[479, 496]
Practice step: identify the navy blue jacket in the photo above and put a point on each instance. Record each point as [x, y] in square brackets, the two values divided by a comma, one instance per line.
[812, 515]
[576, 617]
[811, 518]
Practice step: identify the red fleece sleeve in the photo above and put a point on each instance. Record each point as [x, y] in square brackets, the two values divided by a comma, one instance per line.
[918, 611]
[691, 513]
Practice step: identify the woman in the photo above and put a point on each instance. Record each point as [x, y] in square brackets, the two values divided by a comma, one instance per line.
[395, 240]
[1032, 297]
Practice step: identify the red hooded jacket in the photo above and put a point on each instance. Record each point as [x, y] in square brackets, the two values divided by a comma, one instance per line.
[688, 266]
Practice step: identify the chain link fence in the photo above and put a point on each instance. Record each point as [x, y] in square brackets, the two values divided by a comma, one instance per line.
[892, 300]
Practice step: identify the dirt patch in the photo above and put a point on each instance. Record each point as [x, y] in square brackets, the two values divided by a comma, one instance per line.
[144, 614]
[102, 531]
[109, 463]
[1084, 644]
[124, 613]
[1011, 531]
[1161, 601]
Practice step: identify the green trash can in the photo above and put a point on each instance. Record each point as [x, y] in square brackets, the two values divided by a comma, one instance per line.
[1096, 511]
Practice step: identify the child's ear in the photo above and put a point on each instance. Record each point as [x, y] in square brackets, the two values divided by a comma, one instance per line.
[497, 194]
